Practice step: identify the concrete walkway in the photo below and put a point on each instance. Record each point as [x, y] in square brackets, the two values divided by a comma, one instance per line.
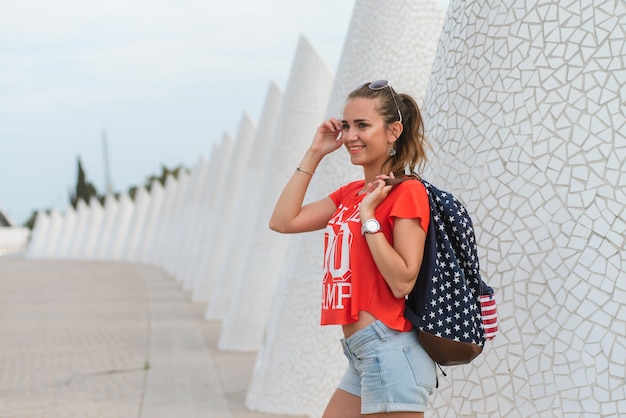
[103, 339]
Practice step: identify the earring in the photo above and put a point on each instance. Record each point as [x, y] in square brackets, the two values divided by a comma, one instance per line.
[392, 152]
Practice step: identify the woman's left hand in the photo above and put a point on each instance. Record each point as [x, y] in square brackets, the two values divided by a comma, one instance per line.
[376, 191]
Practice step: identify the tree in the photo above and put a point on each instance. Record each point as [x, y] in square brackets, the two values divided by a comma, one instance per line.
[85, 190]
[165, 172]
[30, 222]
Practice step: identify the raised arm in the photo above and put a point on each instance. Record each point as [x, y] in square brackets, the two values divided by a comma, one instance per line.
[290, 215]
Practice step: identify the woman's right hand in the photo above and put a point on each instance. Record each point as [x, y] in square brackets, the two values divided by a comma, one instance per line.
[327, 138]
[290, 214]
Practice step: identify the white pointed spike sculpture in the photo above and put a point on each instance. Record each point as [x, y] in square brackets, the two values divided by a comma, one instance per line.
[120, 229]
[227, 222]
[170, 221]
[66, 234]
[136, 225]
[190, 248]
[234, 335]
[147, 235]
[41, 233]
[111, 206]
[190, 219]
[235, 241]
[94, 226]
[197, 243]
[526, 110]
[80, 229]
[169, 189]
[302, 110]
[201, 285]
[372, 50]
[245, 208]
[169, 200]
[168, 254]
[51, 243]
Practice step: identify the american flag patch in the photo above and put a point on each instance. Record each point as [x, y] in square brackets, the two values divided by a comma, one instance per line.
[489, 315]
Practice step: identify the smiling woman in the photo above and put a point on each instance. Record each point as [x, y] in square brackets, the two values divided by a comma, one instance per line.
[373, 248]
[164, 79]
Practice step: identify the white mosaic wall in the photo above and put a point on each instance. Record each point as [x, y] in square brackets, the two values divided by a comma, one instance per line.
[526, 110]
[300, 381]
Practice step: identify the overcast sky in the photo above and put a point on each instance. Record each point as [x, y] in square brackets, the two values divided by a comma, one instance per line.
[163, 78]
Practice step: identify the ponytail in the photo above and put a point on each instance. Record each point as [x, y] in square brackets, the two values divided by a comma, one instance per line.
[411, 145]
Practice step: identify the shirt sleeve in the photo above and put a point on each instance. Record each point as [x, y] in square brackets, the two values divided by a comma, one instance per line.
[411, 202]
[338, 195]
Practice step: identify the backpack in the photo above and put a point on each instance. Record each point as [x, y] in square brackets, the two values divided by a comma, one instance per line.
[445, 303]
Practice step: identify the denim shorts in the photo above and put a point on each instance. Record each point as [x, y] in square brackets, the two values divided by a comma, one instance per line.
[388, 369]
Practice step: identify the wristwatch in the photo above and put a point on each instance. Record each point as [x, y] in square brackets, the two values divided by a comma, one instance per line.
[371, 226]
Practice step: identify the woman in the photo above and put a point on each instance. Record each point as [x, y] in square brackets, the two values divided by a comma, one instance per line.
[374, 244]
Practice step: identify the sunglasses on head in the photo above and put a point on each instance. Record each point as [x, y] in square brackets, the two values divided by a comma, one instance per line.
[381, 84]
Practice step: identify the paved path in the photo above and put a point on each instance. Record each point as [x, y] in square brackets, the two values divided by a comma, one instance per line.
[101, 339]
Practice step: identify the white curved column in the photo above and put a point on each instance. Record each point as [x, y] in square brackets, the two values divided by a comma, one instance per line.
[164, 253]
[222, 217]
[136, 224]
[66, 233]
[80, 229]
[190, 219]
[527, 108]
[397, 42]
[93, 229]
[236, 249]
[54, 231]
[41, 233]
[154, 246]
[119, 232]
[111, 207]
[202, 284]
[199, 249]
[234, 335]
[173, 187]
[304, 102]
[147, 235]
[191, 259]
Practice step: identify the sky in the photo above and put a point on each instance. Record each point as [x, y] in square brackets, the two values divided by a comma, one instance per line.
[162, 80]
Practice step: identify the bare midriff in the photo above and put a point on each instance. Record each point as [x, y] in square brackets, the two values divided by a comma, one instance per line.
[365, 318]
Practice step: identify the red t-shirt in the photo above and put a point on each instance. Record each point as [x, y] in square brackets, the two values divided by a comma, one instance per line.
[352, 282]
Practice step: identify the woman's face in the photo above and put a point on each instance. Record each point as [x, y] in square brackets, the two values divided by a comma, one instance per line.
[364, 133]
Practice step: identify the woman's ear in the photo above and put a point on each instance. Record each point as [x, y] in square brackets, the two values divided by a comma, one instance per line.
[396, 129]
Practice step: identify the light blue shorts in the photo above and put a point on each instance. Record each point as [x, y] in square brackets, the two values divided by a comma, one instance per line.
[388, 369]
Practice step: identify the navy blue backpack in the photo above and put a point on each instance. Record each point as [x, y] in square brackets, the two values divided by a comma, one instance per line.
[445, 305]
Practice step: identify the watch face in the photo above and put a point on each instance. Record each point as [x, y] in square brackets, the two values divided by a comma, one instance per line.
[372, 226]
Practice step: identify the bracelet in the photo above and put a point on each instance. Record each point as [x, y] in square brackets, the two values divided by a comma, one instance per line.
[304, 171]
